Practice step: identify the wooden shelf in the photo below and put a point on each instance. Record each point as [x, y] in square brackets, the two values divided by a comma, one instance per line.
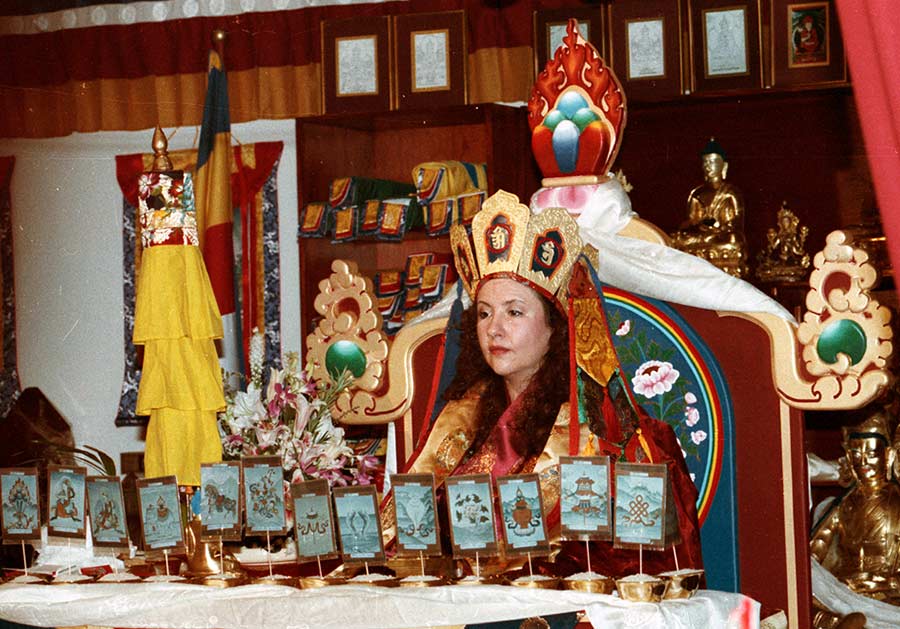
[388, 146]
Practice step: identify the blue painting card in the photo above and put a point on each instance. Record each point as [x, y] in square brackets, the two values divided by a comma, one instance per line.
[220, 501]
[359, 523]
[66, 501]
[522, 507]
[645, 514]
[161, 523]
[415, 514]
[313, 520]
[263, 491]
[585, 503]
[21, 513]
[106, 504]
[470, 505]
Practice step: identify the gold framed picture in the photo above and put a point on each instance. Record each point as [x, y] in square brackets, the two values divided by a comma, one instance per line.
[725, 45]
[356, 68]
[430, 59]
[550, 28]
[807, 47]
[645, 48]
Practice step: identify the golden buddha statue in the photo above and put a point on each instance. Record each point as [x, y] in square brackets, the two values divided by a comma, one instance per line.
[714, 229]
[785, 258]
[857, 540]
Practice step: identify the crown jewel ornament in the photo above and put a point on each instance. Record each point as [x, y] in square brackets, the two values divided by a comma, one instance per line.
[576, 113]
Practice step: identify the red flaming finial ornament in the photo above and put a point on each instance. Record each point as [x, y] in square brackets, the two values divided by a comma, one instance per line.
[577, 114]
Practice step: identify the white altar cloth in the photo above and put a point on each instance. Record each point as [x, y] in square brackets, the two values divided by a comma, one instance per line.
[170, 606]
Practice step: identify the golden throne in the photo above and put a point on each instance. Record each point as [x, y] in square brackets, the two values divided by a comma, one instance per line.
[770, 372]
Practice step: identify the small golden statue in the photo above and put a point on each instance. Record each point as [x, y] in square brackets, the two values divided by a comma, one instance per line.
[714, 229]
[857, 540]
[785, 258]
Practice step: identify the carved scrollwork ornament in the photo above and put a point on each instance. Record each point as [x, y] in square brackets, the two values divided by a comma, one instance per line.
[350, 336]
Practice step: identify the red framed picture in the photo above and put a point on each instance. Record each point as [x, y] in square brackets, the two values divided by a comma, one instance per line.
[645, 48]
[356, 64]
[430, 59]
[807, 47]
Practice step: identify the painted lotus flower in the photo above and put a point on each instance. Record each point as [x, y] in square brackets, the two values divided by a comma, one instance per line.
[624, 328]
[691, 416]
[698, 436]
[654, 377]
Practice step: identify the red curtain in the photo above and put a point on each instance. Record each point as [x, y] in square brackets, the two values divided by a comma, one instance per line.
[871, 31]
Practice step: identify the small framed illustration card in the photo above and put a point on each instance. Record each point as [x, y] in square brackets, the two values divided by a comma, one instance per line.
[106, 504]
[584, 499]
[645, 48]
[359, 523]
[66, 500]
[220, 501]
[431, 59]
[313, 520]
[263, 494]
[160, 506]
[726, 51]
[21, 514]
[524, 528]
[807, 47]
[356, 62]
[550, 28]
[415, 513]
[470, 503]
[645, 517]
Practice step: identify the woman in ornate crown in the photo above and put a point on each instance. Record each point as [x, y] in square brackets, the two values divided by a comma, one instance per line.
[507, 409]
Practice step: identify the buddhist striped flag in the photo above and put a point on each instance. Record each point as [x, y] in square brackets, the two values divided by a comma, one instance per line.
[212, 185]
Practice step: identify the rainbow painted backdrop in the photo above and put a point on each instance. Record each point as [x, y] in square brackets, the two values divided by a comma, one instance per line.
[675, 377]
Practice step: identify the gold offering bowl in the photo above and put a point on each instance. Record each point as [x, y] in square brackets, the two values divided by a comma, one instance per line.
[542, 582]
[390, 582]
[482, 580]
[276, 579]
[414, 581]
[649, 590]
[682, 583]
[225, 580]
[312, 583]
[597, 585]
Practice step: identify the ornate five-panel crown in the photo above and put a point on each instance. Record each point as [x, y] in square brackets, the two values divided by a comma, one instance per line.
[507, 240]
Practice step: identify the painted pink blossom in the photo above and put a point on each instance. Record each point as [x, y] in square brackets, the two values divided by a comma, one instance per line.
[698, 437]
[691, 416]
[624, 328]
[654, 377]
[690, 398]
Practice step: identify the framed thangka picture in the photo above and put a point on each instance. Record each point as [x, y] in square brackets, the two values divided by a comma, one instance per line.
[431, 59]
[220, 501]
[21, 513]
[645, 48]
[415, 513]
[66, 500]
[160, 506]
[550, 28]
[727, 53]
[106, 503]
[263, 493]
[522, 510]
[645, 514]
[356, 64]
[470, 504]
[807, 47]
[313, 520]
[584, 499]
[359, 523]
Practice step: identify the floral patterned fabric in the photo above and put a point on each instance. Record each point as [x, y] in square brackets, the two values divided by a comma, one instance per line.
[167, 212]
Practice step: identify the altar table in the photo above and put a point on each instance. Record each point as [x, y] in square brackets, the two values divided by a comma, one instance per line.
[168, 605]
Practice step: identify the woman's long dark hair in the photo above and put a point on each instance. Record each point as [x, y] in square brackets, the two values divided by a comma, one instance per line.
[545, 393]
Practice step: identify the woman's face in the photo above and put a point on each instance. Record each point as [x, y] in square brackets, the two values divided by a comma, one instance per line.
[513, 331]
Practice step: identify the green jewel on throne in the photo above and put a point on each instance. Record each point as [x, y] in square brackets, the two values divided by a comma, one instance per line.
[842, 336]
[345, 355]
